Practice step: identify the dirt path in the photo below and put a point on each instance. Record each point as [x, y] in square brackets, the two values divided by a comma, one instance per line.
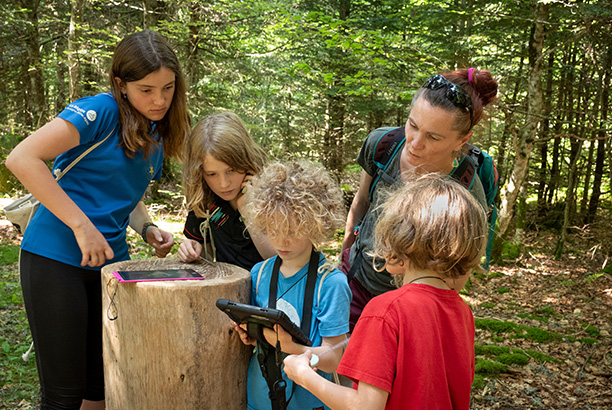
[558, 309]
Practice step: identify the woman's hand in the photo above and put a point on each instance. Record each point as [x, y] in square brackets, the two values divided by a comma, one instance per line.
[189, 250]
[93, 245]
[161, 241]
[244, 336]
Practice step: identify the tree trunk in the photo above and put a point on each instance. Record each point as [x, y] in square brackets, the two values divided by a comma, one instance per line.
[525, 141]
[601, 143]
[334, 134]
[166, 345]
[62, 95]
[569, 200]
[502, 162]
[587, 180]
[74, 46]
[544, 138]
[35, 89]
[333, 146]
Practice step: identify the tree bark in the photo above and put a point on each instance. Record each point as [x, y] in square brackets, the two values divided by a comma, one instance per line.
[601, 143]
[525, 141]
[545, 133]
[74, 45]
[35, 90]
[569, 201]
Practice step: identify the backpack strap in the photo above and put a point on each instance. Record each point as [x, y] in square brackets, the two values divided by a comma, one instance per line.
[465, 172]
[263, 265]
[385, 149]
[270, 358]
[270, 363]
[308, 292]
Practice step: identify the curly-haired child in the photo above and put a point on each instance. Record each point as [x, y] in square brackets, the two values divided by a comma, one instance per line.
[413, 347]
[298, 206]
[220, 160]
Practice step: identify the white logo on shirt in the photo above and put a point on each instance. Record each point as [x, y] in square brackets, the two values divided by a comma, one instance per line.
[289, 310]
[91, 115]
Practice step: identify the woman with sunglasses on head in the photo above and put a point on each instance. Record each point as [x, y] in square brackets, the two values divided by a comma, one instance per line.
[442, 115]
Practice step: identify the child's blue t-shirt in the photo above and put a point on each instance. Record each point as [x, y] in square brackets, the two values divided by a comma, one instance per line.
[106, 184]
[329, 319]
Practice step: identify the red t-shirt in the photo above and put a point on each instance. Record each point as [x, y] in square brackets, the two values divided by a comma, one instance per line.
[417, 343]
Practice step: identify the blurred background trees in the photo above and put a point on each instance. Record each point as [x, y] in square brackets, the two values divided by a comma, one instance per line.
[311, 78]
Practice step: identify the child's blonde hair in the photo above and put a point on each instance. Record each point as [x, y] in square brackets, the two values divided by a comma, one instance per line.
[295, 199]
[432, 224]
[225, 138]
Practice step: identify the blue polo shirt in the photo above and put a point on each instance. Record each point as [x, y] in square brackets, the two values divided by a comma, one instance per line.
[106, 184]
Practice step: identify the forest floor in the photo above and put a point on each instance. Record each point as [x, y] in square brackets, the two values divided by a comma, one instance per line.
[543, 326]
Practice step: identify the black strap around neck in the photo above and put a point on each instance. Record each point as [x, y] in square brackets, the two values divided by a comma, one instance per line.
[313, 265]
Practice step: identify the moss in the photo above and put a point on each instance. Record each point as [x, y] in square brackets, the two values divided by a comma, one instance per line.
[538, 335]
[520, 331]
[479, 382]
[487, 305]
[532, 317]
[503, 290]
[484, 366]
[592, 330]
[541, 357]
[519, 359]
[495, 274]
[588, 341]
[495, 326]
[490, 350]
[547, 311]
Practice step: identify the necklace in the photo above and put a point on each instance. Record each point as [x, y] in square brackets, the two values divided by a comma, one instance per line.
[428, 277]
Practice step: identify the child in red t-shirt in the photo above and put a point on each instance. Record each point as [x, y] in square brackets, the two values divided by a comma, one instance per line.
[413, 348]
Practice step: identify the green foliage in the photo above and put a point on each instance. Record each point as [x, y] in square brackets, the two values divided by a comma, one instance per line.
[19, 378]
[9, 254]
[512, 250]
[593, 277]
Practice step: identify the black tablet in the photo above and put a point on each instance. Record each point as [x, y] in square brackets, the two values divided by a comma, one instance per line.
[241, 313]
[157, 274]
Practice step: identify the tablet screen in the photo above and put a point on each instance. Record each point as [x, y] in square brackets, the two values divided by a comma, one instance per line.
[158, 274]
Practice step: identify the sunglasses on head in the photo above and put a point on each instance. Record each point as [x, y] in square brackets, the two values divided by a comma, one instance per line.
[454, 93]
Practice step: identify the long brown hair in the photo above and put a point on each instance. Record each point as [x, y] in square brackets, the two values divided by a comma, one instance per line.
[137, 56]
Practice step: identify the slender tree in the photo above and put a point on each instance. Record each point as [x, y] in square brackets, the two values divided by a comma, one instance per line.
[525, 141]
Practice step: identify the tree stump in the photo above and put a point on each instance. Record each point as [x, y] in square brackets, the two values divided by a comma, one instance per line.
[166, 344]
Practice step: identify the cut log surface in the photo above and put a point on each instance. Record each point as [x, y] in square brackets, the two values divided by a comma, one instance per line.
[166, 344]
